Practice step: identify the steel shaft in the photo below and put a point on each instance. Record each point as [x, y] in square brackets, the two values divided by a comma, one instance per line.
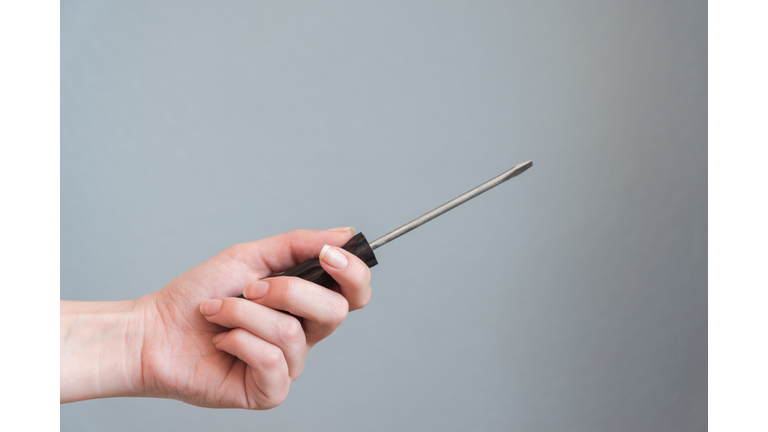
[381, 241]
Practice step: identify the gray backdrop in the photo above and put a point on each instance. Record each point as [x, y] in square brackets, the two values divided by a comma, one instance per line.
[572, 298]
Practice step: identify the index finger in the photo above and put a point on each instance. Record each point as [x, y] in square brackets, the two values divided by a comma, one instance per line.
[352, 275]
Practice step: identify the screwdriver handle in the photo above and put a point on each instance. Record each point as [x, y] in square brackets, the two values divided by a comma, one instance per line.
[313, 272]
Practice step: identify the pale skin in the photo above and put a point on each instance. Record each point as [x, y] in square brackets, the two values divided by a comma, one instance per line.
[196, 342]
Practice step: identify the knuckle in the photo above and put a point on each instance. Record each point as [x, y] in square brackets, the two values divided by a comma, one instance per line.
[339, 311]
[238, 336]
[237, 251]
[290, 292]
[272, 358]
[291, 332]
[365, 299]
[233, 309]
[294, 375]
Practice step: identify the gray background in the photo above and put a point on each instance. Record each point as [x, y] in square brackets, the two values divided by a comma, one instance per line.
[572, 298]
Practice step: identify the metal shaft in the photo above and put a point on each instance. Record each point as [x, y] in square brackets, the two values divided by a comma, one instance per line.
[381, 241]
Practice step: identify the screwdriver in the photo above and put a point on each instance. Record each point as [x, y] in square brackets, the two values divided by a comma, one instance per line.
[359, 246]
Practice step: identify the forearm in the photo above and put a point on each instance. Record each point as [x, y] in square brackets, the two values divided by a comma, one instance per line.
[100, 350]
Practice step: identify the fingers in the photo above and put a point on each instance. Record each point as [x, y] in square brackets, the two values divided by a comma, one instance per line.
[277, 328]
[353, 276]
[281, 252]
[323, 310]
[269, 369]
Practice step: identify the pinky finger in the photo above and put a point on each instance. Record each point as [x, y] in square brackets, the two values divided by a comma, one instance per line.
[267, 380]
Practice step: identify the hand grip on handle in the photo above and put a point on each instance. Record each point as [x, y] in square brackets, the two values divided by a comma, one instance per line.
[313, 272]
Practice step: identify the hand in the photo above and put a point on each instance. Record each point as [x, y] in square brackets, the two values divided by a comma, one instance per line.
[200, 344]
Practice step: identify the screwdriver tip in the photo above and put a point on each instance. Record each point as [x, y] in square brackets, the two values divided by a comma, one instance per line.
[523, 166]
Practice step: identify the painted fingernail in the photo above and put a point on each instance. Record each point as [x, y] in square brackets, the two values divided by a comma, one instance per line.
[255, 290]
[219, 337]
[342, 229]
[331, 256]
[211, 307]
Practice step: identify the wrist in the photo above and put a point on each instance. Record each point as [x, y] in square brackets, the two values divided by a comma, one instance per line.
[100, 350]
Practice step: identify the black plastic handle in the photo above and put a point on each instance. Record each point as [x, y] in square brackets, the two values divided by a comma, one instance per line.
[313, 272]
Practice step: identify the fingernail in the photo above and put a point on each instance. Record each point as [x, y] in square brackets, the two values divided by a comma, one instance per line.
[211, 307]
[255, 290]
[342, 229]
[219, 337]
[331, 256]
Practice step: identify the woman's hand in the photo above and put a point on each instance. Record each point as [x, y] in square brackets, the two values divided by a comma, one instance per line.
[194, 341]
